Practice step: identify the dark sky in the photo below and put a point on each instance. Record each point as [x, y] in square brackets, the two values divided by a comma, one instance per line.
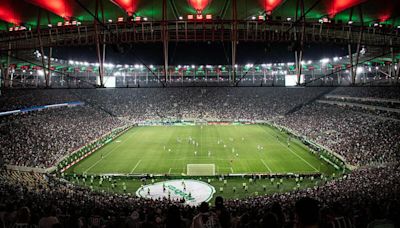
[186, 53]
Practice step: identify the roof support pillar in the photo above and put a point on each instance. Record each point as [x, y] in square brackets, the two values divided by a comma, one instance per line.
[234, 40]
[100, 54]
[360, 36]
[165, 39]
[48, 79]
[398, 73]
[299, 43]
[393, 71]
[46, 69]
[6, 68]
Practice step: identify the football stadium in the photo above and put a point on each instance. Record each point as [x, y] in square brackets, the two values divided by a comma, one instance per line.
[199, 113]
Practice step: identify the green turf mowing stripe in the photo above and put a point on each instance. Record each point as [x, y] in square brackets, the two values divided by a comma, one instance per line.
[167, 150]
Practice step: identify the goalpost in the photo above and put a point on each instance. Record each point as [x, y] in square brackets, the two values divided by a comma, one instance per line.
[200, 169]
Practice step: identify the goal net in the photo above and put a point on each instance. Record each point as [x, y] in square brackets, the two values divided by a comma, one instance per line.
[200, 169]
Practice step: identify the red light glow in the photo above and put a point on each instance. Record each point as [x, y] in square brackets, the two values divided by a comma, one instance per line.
[8, 12]
[199, 5]
[270, 5]
[130, 6]
[60, 7]
[337, 6]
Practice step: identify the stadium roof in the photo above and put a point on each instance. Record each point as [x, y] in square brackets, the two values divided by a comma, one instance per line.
[26, 12]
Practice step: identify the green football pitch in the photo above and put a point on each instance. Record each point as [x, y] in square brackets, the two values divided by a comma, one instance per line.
[232, 149]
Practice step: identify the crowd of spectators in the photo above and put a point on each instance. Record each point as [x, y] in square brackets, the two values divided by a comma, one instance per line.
[360, 138]
[41, 138]
[367, 196]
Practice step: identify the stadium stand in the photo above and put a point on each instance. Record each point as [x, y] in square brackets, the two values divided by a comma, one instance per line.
[368, 139]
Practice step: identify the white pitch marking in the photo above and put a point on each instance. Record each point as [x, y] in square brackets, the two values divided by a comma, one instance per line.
[137, 164]
[108, 153]
[265, 164]
[293, 152]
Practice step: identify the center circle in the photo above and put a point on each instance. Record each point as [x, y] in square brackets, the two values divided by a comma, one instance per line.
[193, 192]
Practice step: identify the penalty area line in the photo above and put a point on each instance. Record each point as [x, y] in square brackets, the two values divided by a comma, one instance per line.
[97, 162]
[293, 152]
[137, 164]
[265, 164]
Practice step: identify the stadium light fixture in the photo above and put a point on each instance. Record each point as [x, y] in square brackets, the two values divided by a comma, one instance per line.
[324, 61]
[40, 73]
